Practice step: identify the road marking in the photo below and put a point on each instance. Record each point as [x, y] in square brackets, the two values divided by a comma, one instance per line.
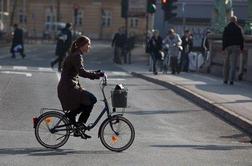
[15, 72]
[45, 69]
[116, 79]
[19, 67]
[120, 73]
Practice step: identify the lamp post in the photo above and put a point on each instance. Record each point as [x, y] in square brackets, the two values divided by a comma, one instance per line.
[183, 13]
[249, 23]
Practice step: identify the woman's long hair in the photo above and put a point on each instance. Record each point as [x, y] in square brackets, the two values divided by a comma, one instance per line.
[79, 42]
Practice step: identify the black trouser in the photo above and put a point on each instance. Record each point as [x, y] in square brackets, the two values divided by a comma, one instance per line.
[174, 64]
[84, 109]
[59, 60]
[184, 62]
[154, 62]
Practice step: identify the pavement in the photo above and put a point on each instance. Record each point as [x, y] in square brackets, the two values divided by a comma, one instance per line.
[232, 103]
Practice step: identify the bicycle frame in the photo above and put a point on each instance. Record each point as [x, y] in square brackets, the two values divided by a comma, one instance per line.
[106, 109]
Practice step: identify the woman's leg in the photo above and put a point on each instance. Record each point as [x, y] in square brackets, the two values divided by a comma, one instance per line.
[86, 106]
[85, 113]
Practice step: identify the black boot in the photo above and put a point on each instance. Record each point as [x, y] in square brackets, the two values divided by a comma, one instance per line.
[80, 131]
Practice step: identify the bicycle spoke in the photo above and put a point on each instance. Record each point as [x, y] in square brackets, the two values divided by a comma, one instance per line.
[117, 135]
[49, 134]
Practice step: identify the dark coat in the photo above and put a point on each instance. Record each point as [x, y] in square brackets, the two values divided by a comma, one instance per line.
[156, 45]
[232, 35]
[187, 44]
[70, 92]
[63, 46]
[119, 40]
[17, 37]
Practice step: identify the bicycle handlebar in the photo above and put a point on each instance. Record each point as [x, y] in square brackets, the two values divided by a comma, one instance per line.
[104, 79]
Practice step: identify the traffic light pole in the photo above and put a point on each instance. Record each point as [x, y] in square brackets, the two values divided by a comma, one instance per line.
[126, 27]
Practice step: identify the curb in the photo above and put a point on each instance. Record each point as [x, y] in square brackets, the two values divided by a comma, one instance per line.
[219, 110]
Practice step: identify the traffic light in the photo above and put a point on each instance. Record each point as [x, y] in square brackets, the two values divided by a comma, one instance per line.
[124, 8]
[151, 6]
[168, 6]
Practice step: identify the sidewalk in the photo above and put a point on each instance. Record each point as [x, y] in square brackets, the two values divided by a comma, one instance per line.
[232, 102]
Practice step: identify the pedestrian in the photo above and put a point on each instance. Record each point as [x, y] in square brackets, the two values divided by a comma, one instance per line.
[174, 42]
[205, 46]
[118, 42]
[17, 42]
[147, 49]
[71, 95]
[155, 49]
[64, 41]
[187, 44]
[232, 46]
[130, 46]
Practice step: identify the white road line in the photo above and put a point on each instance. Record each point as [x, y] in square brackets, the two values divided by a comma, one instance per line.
[19, 67]
[14, 72]
[45, 69]
[116, 79]
[120, 73]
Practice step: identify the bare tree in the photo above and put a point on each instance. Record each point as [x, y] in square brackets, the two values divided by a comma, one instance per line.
[13, 11]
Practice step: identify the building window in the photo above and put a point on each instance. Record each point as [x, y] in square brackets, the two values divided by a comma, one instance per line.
[78, 17]
[106, 18]
[22, 17]
[134, 22]
[50, 20]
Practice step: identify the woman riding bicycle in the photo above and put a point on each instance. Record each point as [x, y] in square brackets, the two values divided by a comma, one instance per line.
[71, 95]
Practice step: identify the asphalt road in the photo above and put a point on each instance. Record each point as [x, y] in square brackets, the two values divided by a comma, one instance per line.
[170, 130]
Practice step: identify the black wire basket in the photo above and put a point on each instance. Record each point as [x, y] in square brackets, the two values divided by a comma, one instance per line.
[119, 98]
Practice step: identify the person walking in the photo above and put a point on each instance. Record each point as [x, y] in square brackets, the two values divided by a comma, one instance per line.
[187, 44]
[130, 46]
[174, 42]
[205, 46]
[17, 42]
[155, 48]
[64, 41]
[232, 46]
[147, 49]
[118, 42]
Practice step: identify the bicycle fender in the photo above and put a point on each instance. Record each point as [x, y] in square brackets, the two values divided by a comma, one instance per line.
[99, 131]
[44, 114]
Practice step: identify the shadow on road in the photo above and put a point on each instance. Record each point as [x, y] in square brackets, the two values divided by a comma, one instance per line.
[204, 147]
[151, 112]
[46, 152]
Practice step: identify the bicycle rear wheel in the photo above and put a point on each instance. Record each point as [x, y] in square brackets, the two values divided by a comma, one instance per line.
[117, 134]
[52, 130]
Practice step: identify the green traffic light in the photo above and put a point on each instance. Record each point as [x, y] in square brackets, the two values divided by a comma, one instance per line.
[151, 8]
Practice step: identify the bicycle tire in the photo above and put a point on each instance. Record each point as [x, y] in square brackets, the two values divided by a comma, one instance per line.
[47, 121]
[116, 123]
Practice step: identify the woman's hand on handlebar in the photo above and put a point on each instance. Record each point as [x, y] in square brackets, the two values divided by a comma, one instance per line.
[100, 73]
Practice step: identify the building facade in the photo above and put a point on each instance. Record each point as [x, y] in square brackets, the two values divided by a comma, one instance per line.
[98, 19]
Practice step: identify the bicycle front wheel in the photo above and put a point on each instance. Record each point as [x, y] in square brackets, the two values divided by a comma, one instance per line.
[117, 134]
[52, 130]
